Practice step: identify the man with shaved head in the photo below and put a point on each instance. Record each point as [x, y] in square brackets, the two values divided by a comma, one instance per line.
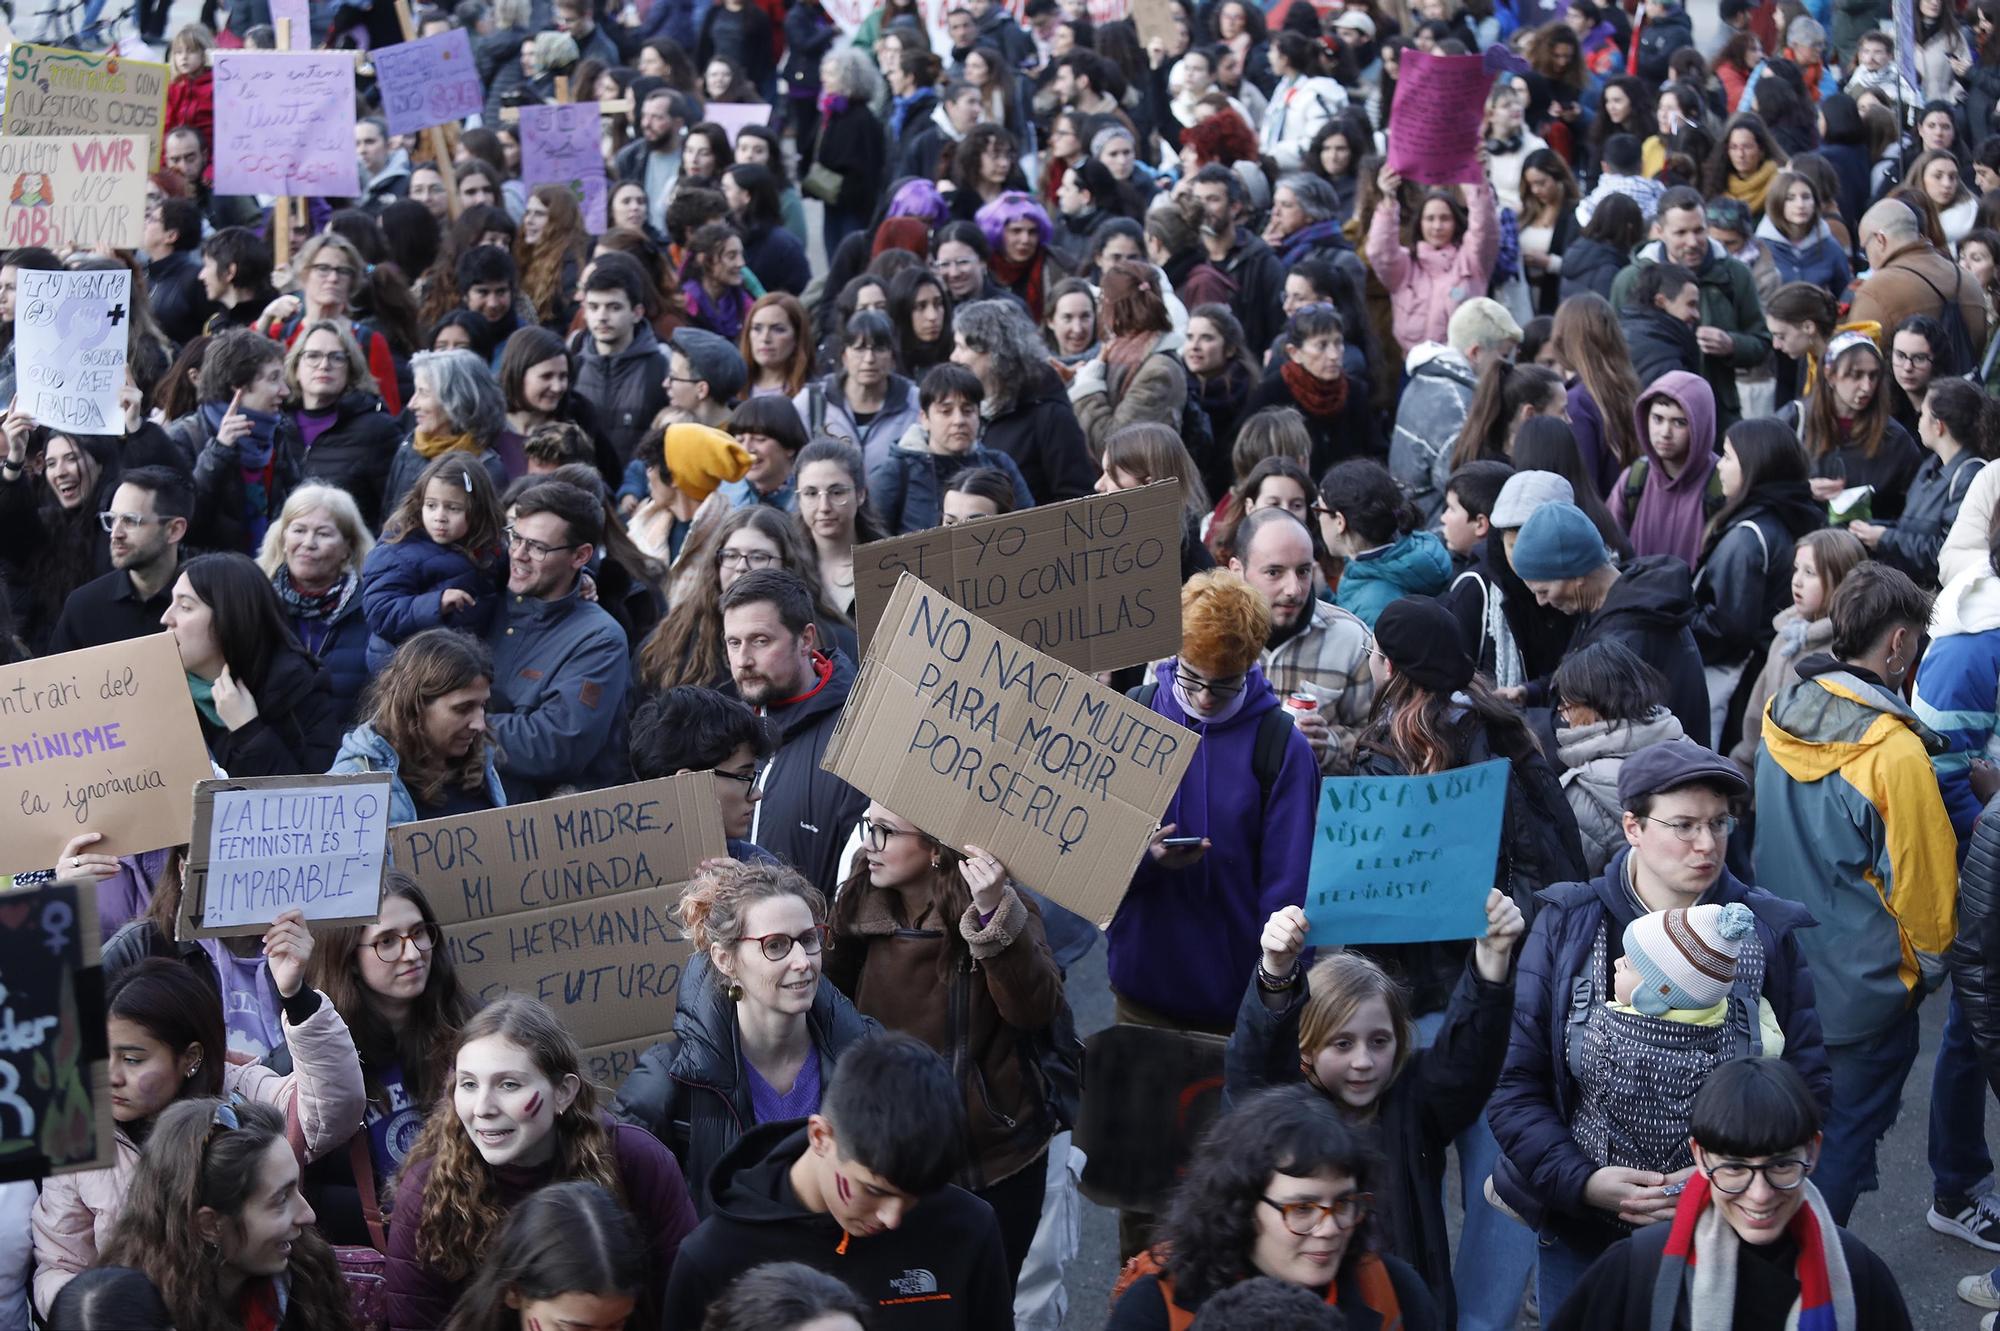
[1908, 275]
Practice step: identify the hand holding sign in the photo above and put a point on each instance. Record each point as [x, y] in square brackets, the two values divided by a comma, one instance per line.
[987, 878]
[18, 426]
[288, 946]
[74, 863]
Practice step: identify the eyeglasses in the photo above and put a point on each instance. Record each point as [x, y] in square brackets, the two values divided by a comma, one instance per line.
[1911, 357]
[876, 836]
[1219, 689]
[954, 265]
[1733, 1176]
[534, 549]
[1687, 829]
[332, 271]
[777, 947]
[1302, 1218]
[322, 357]
[424, 938]
[833, 494]
[683, 379]
[747, 559]
[748, 778]
[113, 521]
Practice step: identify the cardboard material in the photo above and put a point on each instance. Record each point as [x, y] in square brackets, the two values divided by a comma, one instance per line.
[562, 145]
[572, 900]
[1434, 123]
[430, 81]
[265, 845]
[72, 330]
[52, 90]
[284, 123]
[55, 1097]
[102, 740]
[1405, 859]
[980, 741]
[1155, 18]
[1094, 582]
[82, 191]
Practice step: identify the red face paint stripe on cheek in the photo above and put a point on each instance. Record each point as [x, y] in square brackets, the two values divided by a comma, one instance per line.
[840, 1182]
[534, 1105]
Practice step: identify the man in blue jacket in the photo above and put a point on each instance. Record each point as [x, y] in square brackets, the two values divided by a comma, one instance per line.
[1677, 799]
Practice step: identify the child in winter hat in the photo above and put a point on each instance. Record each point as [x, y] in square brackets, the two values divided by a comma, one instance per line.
[1679, 966]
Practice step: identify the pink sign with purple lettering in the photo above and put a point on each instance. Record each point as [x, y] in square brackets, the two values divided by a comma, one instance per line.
[560, 146]
[1434, 123]
[284, 124]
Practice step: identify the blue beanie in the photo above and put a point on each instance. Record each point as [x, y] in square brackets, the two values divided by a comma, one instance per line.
[1559, 541]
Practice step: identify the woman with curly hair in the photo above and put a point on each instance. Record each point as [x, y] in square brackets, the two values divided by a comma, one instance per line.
[985, 164]
[1224, 138]
[712, 280]
[521, 1115]
[1278, 1187]
[1547, 224]
[1625, 106]
[549, 252]
[1335, 156]
[216, 1220]
[1744, 162]
[425, 727]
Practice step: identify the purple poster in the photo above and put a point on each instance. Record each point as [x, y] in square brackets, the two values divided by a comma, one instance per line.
[428, 82]
[300, 13]
[1434, 124]
[560, 146]
[284, 124]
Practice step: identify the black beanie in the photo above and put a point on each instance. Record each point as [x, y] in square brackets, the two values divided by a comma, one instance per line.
[1422, 640]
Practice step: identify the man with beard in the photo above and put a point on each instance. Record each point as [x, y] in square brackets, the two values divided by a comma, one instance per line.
[778, 667]
[147, 520]
[1313, 648]
[654, 158]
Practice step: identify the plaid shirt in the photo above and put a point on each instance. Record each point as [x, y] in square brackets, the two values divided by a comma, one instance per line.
[1329, 660]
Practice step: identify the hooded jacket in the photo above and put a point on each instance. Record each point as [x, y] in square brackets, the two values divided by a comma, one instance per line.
[627, 387]
[560, 679]
[1670, 514]
[822, 407]
[1590, 759]
[1650, 609]
[1183, 940]
[1911, 543]
[941, 1269]
[690, 1091]
[806, 812]
[1793, 638]
[1850, 824]
[364, 750]
[1818, 259]
[1542, 1170]
[1416, 564]
[1429, 415]
[1955, 691]
[1040, 432]
[906, 489]
[1659, 343]
[354, 452]
[1747, 576]
[1426, 282]
[1729, 302]
[1591, 265]
[1657, 41]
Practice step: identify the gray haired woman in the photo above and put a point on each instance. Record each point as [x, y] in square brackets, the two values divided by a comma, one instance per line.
[456, 407]
[1026, 409]
[1305, 224]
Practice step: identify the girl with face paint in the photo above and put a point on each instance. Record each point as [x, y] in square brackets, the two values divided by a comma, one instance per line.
[520, 1115]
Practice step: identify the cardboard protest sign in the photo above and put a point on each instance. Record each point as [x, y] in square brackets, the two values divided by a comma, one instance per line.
[571, 900]
[561, 145]
[72, 330]
[284, 123]
[55, 1098]
[1155, 18]
[265, 845]
[733, 116]
[1405, 859]
[1095, 582]
[83, 191]
[981, 741]
[58, 92]
[1147, 1096]
[102, 740]
[1434, 123]
[430, 81]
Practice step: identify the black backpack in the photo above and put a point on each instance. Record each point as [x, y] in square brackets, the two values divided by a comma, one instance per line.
[1958, 348]
[1267, 757]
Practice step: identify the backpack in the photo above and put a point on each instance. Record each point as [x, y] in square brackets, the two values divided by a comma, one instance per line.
[1634, 486]
[1267, 756]
[1957, 338]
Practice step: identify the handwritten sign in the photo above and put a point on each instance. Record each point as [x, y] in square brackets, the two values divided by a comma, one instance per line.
[72, 331]
[55, 1099]
[1434, 123]
[59, 92]
[265, 845]
[733, 116]
[82, 192]
[284, 123]
[560, 145]
[572, 900]
[430, 81]
[1095, 582]
[980, 740]
[1405, 859]
[103, 740]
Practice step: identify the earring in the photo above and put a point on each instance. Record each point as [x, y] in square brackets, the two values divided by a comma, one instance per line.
[935, 862]
[735, 992]
[194, 1067]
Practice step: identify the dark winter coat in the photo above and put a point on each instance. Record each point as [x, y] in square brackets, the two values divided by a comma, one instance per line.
[339, 642]
[1548, 288]
[806, 812]
[406, 464]
[1540, 634]
[1651, 610]
[1746, 577]
[219, 503]
[1353, 433]
[1658, 342]
[1542, 1170]
[355, 451]
[851, 143]
[1260, 287]
[627, 390]
[907, 488]
[809, 35]
[174, 286]
[404, 581]
[1911, 543]
[1590, 265]
[1442, 1090]
[1974, 955]
[690, 1091]
[1659, 38]
[1892, 471]
[1040, 432]
[778, 259]
[757, 56]
[297, 727]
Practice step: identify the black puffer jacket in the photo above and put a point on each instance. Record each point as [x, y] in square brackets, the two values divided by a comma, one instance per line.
[1746, 575]
[1658, 342]
[806, 811]
[296, 730]
[690, 1091]
[220, 522]
[355, 451]
[1974, 955]
[1650, 609]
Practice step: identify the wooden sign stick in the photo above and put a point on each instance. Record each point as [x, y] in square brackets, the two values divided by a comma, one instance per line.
[440, 145]
[281, 207]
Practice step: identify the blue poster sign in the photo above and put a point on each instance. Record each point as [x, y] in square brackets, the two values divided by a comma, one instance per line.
[1405, 859]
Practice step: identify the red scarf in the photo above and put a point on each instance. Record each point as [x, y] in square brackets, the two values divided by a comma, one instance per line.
[1023, 279]
[1316, 396]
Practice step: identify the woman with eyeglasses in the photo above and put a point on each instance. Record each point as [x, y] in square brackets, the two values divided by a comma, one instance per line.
[425, 725]
[347, 434]
[757, 1032]
[1756, 1130]
[1278, 1187]
[941, 945]
[332, 280]
[833, 509]
[170, 1045]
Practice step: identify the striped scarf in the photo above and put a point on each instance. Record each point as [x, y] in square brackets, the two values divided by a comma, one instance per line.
[1701, 1257]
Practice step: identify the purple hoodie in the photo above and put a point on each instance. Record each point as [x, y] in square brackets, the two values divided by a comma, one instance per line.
[1183, 941]
[1670, 515]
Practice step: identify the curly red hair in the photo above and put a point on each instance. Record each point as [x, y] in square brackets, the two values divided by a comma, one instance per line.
[1225, 138]
[1224, 622]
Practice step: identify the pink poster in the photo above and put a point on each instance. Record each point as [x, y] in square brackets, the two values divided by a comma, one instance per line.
[430, 81]
[284, 124]
[1434, 124]
[733, 116]
[561, 145]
